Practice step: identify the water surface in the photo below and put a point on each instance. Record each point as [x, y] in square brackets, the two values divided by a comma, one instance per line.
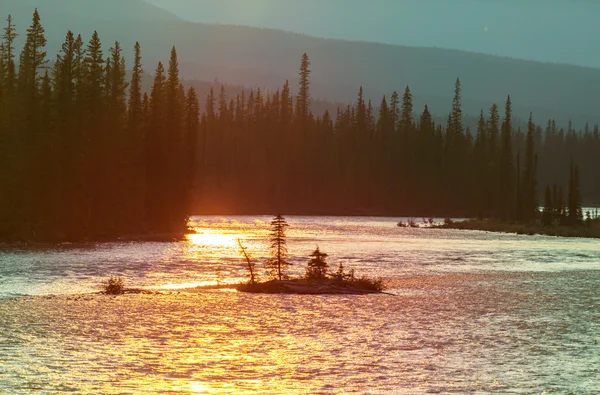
[473, 312]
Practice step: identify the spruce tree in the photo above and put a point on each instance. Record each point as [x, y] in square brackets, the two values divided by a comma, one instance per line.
[135, 92]
[529, 198]
[94, 82]
[456, 116]
[190, 155]
[507, 166]
[575, 212]
[385, 121]
[361, 111]
[317, 266]
[481, 162]
[286, 111]
[8, 73]
[33, 56]
[406, 117]
[548, 213]
[395, 109]
[277, 237]
[156, 169]
[29, 128]
[303, 102]
[175, 177]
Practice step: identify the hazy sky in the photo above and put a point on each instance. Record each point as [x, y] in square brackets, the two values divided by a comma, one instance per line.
[564, 31]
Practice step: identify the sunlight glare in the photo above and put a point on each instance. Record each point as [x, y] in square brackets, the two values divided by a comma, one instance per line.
[207, 238]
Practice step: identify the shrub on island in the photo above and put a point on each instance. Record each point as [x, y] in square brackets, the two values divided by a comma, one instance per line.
[114, 286]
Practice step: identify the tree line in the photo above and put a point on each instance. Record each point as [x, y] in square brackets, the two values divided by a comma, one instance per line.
[266, 151]
[84, 153]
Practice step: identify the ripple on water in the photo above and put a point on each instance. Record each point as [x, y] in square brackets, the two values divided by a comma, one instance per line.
[474, 312]
[455, 333]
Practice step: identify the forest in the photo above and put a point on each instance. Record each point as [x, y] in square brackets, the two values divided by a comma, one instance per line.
[85, 153]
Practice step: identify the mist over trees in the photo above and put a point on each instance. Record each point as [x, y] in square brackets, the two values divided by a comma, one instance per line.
[86, 153]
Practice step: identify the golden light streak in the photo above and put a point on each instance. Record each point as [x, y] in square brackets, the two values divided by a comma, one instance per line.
[209, 238]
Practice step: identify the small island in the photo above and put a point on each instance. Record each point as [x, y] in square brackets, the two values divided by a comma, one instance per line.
[318, 280]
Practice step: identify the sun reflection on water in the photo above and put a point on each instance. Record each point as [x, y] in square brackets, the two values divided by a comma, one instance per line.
[211, 238]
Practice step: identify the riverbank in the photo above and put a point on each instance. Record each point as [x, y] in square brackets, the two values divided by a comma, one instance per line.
[536, 228]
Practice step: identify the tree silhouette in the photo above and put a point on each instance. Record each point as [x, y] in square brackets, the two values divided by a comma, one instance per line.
[507, 166]
[303, 101]
[548, 213]
[529, 184]
[277, 238]
[317, 267]
[249, 264]
[575, 212]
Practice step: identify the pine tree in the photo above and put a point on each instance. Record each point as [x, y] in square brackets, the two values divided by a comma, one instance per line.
[385, 121]
[406, 117]
[548, 213]
[529, 199]
[277, 237]
[361, 111]
[33, 57]
[191, 128]
[286, 111]
[493, 161]
[29, 155]
[8, 74]
[116, 87]
[303, 102]
[135, 92]
[94, 81]
[507, 167]
[456, 116]
[481, 162]
[317, 266]
[32, 60]
[395, 109]
[210, 106]
[175, 176]
[575, 212]
[155, 153]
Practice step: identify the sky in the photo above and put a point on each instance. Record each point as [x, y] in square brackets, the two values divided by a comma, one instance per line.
[556, 31]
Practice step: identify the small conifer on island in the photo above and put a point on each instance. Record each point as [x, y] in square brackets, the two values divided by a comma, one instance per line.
[277, 237]
[317, 267]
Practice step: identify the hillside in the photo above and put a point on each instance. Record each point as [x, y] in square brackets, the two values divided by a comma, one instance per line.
[252, 56]
[514, 28]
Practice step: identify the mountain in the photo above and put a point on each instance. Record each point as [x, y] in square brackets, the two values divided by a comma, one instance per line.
[264, 57]
[542, 30]
[58, 12]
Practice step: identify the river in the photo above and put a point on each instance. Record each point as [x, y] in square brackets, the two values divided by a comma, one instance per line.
[471, 312]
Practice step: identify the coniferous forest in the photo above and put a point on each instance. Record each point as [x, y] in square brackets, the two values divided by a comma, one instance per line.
[86, 153]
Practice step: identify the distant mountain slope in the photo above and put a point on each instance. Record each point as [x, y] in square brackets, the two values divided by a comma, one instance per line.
[251, 56]
[544, 30]
[101, 10]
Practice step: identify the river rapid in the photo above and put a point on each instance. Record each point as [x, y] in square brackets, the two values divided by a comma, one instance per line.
[471, 312]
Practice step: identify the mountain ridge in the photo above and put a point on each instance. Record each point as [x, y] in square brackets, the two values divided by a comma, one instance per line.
[267, 57]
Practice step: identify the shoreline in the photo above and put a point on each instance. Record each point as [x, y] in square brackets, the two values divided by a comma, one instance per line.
[303, 287]
[531, 229]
